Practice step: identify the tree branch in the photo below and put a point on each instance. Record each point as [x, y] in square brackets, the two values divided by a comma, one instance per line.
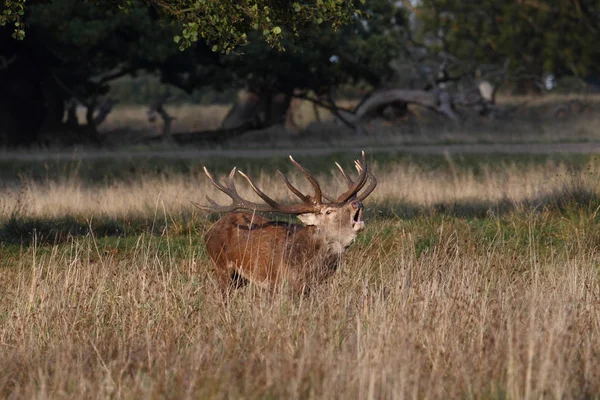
[320, 103]
[329, 106]
[117, 74]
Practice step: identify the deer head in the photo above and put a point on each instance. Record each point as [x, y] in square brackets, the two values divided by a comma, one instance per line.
[330, 225]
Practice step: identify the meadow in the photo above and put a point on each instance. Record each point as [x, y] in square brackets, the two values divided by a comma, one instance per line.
[476, 277]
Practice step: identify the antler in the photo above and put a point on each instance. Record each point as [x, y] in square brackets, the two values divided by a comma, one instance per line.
[230, 190]
[353, 187]
[363, 176]
[318, 196]
[310, 204]
[370, 187]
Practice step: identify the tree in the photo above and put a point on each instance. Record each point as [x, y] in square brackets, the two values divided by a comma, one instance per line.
[72, 51]
[80, 48]
[322, 59]
[537, 37]
[74, 48]
[223, 24]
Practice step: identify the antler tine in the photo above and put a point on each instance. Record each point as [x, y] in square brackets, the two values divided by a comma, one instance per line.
[293, 189]
[308, 206]
[211, 201]
[217, 184]
[318, 197]
[229, 180]
[356, 186]
[230, 190]
[349, 181]
[372, 182]
[370, 187]
[260, 193]
[200, 206]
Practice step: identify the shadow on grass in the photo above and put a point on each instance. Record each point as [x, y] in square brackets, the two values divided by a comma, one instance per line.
[24, 229]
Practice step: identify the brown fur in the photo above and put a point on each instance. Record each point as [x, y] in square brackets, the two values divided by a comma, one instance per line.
[250, 247]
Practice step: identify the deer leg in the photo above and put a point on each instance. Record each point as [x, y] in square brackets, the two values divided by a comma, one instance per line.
[224, 280]
[237, 280]
[228, 279]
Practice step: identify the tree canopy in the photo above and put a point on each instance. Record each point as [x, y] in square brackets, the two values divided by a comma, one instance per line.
[222, 24]
[57, 53]
[535, 37]
[73, 49]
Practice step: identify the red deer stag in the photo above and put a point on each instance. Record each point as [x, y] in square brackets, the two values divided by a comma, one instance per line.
[246, 247]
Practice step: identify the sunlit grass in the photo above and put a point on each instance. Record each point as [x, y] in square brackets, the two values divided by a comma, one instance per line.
[469, 281]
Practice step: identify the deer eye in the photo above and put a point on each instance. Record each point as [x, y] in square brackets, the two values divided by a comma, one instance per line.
[328, 212]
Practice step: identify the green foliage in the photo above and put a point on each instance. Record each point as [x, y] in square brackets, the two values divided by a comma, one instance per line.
[323, 57]
[223, 24]
[86, 46]
[227, 24]
[537, 37]
[137, 90]
[11, 14]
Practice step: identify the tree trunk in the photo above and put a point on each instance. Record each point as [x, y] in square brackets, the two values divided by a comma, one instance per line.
[21, 101]
[243, 111]
[54, 106]
[258, 110]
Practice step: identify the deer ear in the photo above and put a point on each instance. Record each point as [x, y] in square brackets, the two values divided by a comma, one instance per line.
[308, 219]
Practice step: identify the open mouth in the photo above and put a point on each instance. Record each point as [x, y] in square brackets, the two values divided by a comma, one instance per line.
[357, 222]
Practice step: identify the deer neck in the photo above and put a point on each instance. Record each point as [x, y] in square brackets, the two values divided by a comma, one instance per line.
[328, 245]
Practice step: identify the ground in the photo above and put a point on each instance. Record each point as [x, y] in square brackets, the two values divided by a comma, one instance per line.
[527, 120]
[476, 276]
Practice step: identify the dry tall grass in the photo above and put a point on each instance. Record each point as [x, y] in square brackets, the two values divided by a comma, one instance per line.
[433, 307]
[405, 183]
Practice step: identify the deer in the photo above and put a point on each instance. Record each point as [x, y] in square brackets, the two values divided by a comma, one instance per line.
[246, 247]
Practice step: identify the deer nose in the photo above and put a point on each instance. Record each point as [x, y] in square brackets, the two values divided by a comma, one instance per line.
[356, 204]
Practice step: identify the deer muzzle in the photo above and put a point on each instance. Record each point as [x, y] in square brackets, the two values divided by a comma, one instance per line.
[357, 222]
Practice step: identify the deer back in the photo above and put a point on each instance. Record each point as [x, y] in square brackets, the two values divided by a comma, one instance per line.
[264, 252]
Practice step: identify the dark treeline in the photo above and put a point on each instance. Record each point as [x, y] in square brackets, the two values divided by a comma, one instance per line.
[71, 51]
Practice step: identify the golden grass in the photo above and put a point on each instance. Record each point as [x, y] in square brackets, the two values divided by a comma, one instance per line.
[434, 307]
[187, 118]
[401, 182]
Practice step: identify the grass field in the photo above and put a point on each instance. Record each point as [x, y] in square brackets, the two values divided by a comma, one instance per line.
[477, 277]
